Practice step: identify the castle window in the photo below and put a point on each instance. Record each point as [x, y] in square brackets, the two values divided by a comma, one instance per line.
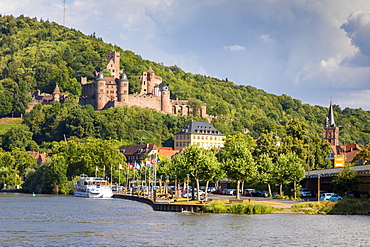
[206, 137]
[210, 138]
[102, 90]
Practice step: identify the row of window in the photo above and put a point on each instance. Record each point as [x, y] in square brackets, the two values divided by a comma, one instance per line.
[112, 92]
[200, 137]
[201, 144]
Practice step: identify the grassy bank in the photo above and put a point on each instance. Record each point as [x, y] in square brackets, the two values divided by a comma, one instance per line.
[238, 208]
[346, 206]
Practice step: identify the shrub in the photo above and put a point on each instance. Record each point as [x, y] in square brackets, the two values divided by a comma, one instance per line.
[215, 207]
[262, 209]
[239, 208]
[278, 196]
[242, 208]
[351, 206]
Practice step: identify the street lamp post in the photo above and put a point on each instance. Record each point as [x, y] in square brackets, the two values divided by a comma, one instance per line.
[167, 183]
[318, 187]
[187, 187]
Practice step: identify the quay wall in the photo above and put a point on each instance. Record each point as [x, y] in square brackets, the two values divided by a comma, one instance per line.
[169, 207]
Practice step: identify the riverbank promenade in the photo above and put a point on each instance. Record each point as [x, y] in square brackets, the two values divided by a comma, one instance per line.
[184, 205]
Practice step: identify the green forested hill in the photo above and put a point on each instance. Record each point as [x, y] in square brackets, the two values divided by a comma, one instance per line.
[39, 54]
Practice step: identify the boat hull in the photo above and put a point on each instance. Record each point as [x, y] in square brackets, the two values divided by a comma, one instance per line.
[93, 195]
[92, 187]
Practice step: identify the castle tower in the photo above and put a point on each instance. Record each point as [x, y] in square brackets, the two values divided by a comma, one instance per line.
[149, 81]
[165, 97]
[113, 63]
[331, 132]
[56, 94]
[101, 97]
[123, 88]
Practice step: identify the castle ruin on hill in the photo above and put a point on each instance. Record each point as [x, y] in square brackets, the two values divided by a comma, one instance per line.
[105, 92]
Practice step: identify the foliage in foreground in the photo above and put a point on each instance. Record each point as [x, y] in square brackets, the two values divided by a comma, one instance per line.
[238, 208]
[346, 206]
[351, 206]
[216, 207]
[322, 207]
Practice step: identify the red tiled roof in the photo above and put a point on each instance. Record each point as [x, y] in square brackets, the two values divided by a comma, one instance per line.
[349, 150]
[165, 148]
[168, 153]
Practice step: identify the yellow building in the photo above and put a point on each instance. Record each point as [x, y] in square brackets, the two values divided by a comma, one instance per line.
[201, 133]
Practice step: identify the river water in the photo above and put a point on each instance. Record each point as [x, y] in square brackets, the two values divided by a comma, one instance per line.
[49, 220]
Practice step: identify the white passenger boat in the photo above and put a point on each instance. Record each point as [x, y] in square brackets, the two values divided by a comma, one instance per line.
[92, 187]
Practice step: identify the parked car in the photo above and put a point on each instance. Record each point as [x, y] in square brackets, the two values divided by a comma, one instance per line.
[218, 191]
[185, 193]
[230, 192]
[257, 193]
[249, 192]
[305, 192]
[211, 189]
[234, 192]
[119, 188]
[335, 198]
[265, 193]
[325, 196]
[224, 191]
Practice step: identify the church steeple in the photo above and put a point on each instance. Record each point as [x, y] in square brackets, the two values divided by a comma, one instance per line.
[331, 132]
[330, 119]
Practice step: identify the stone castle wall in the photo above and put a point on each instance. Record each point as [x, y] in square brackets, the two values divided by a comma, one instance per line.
[145, 101]
[110, 93]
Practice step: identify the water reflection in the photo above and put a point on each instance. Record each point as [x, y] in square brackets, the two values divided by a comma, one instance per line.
[68, 220]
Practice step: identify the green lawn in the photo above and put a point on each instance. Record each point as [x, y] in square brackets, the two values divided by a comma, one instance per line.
[7, 123]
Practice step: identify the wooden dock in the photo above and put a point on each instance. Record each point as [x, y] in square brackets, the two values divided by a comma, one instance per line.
[164, 205]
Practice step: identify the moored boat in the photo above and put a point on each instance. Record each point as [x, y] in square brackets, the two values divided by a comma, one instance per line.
[92, 187]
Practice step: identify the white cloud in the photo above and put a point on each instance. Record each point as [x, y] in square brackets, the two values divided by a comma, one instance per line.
[234, 48]
[266, 38]
[355, 99]
[357, 28]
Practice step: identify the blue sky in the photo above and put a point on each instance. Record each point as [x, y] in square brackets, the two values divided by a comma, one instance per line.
[308, 49]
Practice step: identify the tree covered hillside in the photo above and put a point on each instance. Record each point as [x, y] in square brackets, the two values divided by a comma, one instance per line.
[40, 54]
